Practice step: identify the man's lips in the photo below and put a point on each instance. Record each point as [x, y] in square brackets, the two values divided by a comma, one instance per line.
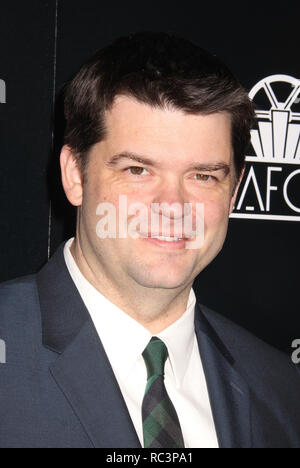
[171, 237]
[173, 242]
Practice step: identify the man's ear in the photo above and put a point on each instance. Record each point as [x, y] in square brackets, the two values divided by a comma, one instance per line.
[236, 189]
[71, 176]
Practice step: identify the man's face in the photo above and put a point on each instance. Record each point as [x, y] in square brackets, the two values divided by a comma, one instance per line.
[174, 144]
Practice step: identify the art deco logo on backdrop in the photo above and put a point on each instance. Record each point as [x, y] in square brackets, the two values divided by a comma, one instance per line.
[270, 188]
[2, 92]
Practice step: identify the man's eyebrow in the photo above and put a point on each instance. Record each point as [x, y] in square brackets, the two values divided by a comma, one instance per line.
[218, 166]
[211, 167]
[114, 160]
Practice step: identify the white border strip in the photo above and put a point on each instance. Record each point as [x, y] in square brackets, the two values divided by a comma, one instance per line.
[285, 162]
[265, 217]
[53, 110]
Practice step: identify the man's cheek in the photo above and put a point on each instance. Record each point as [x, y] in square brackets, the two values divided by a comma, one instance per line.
[215, 213]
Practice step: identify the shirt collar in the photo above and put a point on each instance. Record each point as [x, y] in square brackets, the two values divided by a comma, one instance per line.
[179, 339]
[123, 338]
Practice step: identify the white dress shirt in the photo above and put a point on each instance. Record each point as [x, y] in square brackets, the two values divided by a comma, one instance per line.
[124, 341]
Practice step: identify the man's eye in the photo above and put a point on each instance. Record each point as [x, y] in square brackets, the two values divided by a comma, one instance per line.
[136, 170]
[203, 177]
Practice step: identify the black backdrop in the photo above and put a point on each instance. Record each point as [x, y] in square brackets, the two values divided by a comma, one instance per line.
[254, 281]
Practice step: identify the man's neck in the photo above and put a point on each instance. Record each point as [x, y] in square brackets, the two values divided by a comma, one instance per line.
[155, 309]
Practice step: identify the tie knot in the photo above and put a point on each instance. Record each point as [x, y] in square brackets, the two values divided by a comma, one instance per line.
[155, 356]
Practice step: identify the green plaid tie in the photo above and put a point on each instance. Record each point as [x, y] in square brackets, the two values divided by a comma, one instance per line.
[161, 425]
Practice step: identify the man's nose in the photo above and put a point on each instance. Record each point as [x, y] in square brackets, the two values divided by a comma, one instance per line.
[170, 200]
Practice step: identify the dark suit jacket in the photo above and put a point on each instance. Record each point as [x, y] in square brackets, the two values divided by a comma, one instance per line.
[57, 388]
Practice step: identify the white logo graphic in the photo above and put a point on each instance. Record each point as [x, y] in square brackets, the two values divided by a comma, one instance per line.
[2, 92]
[296, 354]
[133, 221]
[268, 190]
[2, 352]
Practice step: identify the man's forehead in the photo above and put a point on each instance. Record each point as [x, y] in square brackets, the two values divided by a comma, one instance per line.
[132, 142]
[162, 134]
[127, 113]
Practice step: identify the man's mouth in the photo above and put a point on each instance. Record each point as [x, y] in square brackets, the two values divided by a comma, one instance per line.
[166, 242]
[166, 238]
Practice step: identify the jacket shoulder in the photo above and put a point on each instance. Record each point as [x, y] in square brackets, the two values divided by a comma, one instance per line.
[19, 301]
[256, 359]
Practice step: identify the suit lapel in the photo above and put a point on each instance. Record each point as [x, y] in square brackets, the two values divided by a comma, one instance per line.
[83, 373]
[82, 370]
[228, 392]
[87, 380]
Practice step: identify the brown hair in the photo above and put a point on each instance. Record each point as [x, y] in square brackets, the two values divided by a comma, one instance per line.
[160, 70]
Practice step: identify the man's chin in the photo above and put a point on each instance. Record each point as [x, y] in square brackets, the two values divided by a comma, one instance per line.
[167, 281]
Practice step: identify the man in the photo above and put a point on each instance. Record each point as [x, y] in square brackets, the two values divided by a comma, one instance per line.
[106, 345]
